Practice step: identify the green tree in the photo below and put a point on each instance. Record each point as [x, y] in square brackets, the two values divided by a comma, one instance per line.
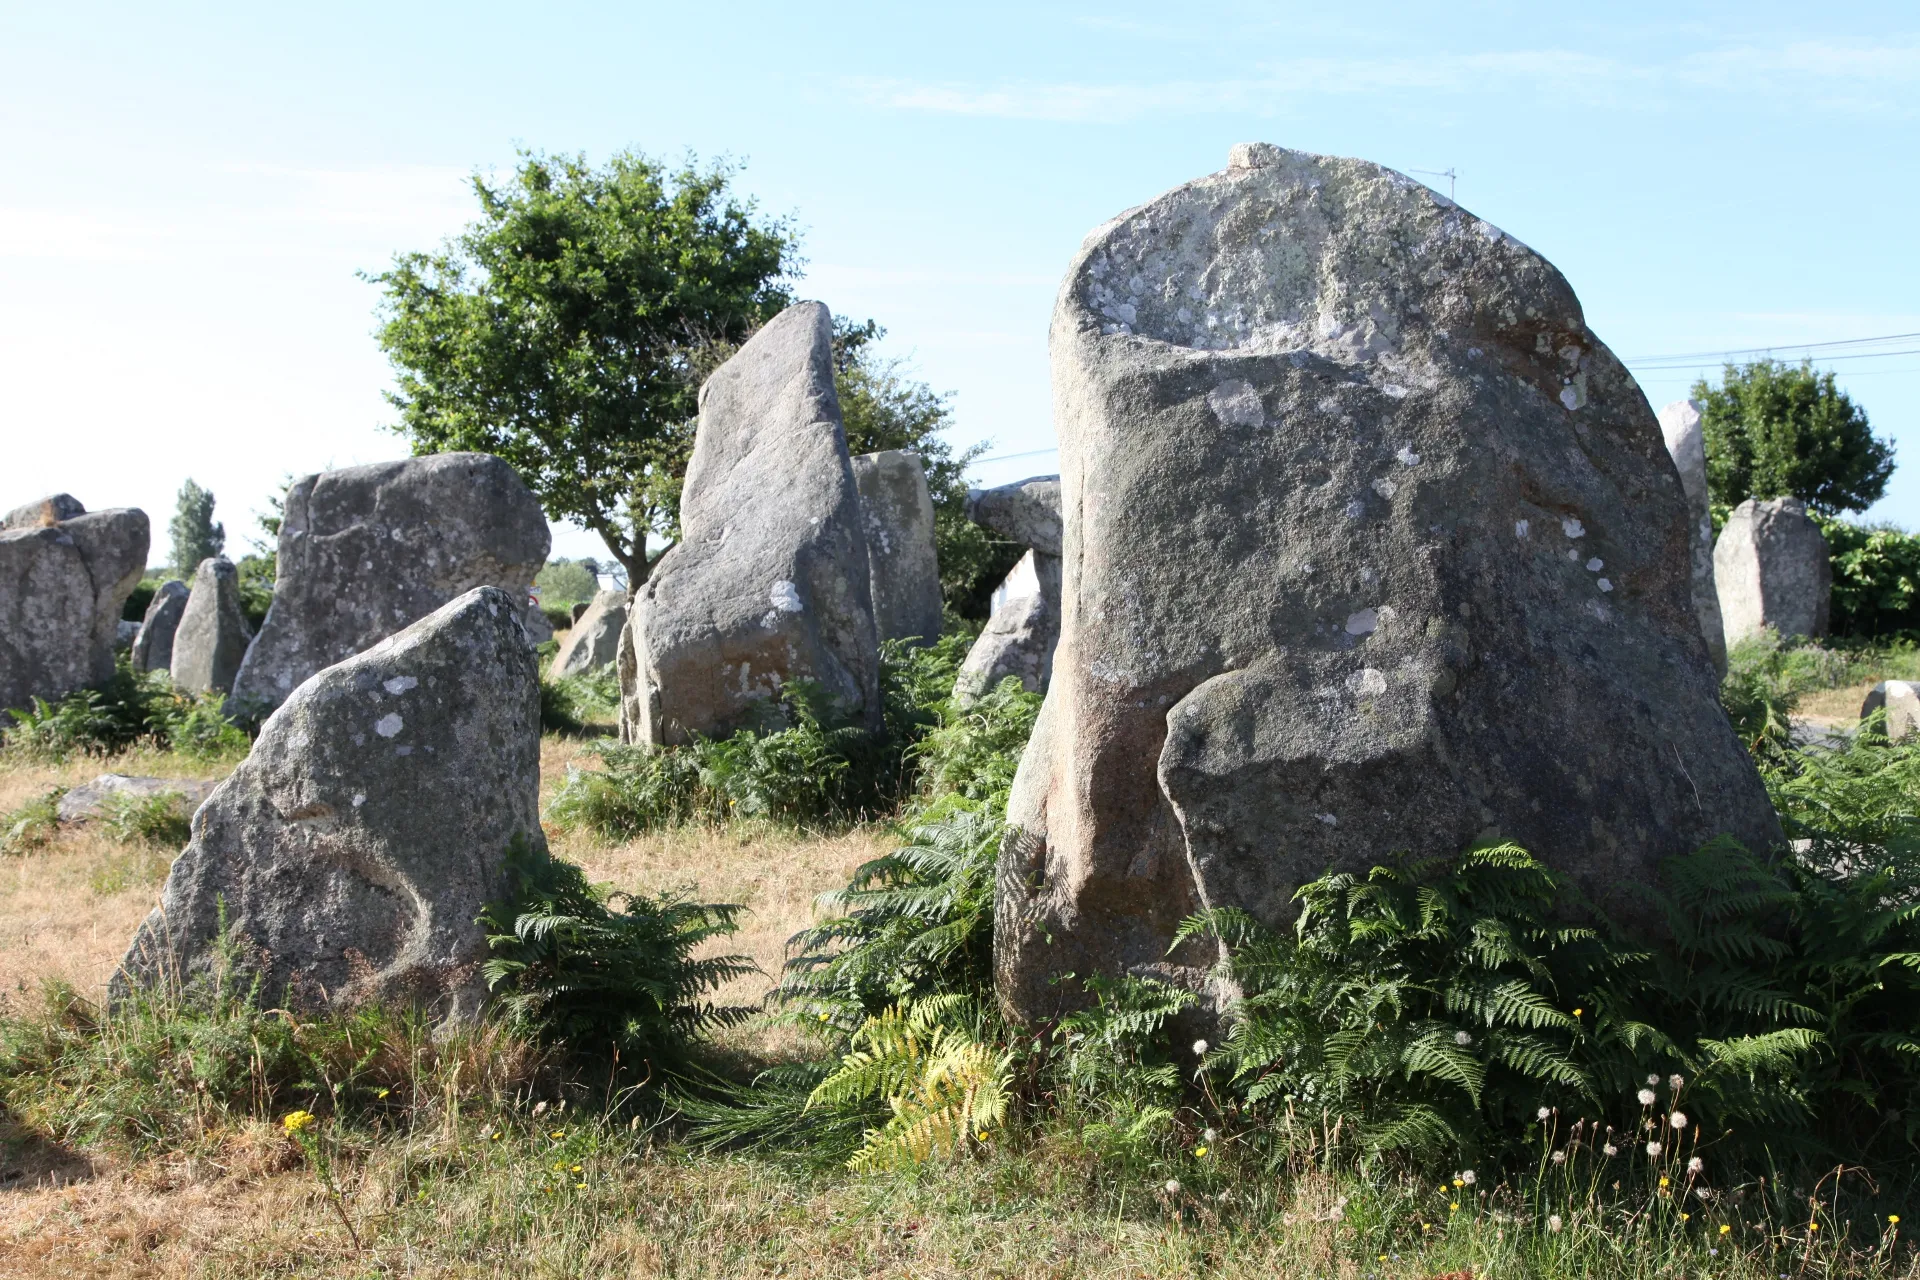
[885, 408]
[1774, 430]
[564, 330]
[195, 535]
[565, 581]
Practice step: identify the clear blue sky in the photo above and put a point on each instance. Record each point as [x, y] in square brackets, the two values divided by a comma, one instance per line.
[189, 190]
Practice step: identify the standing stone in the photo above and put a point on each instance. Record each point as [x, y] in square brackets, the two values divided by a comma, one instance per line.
[1680, 424]
[1772, 569]
[365, 551]
[594, 641]
[353, 849]
[1900, 700]
[769, 581]
[1371, 546]
[213, 634]
[153, 645]
[896, 514]
[1024, 628]
[65, 575]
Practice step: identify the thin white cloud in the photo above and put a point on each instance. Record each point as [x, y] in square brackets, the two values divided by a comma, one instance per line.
[1832, 75]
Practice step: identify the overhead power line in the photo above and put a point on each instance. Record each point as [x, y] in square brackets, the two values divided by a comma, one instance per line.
[1825, 352]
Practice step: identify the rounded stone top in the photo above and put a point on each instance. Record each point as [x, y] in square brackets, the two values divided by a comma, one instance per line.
[1254, 155]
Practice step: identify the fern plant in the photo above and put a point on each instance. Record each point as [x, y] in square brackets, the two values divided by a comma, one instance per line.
[602, 970]
[944, 1086]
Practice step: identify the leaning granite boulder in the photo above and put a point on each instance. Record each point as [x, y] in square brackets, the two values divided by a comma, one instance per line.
[213, 633]
[352, 851]
[1680, 425]
[89, 800]
[896, 514]
[1371, 546]
[769, 581]
[365, 551]
[594, 641]
[1024, 628]
[1900, 700]
[1772, 568]
[65, 575]
[153, 643]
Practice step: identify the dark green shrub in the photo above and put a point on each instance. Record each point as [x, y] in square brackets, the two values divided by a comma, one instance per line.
[31, 825]
[130, 709]
[157, 819]
[1876, 580]
[571, 704]
[607, 972]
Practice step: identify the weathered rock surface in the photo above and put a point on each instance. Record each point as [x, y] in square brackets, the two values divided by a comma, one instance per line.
[50, 510]
[896, 514]
[124, 634]
[1772, 568]
[357, 843]
[1680, 425]
[594, 641]
[365, 551]
[1024, 628]
[1363, 530]
[89, 800]
[153, 644]
[64, 580]
[213, 633]
[1020, 635]
[769, 582]
[1900, 700]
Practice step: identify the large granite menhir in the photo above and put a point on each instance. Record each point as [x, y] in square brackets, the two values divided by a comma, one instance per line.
[595, 638]
[1772, 568]
[213, 633]
[65, 575]
[769, 581]
[353, 849]
[364, 551]
[153, 642]
[1020, 636]
[896, 514]
[1686, 444]
[1370, 546]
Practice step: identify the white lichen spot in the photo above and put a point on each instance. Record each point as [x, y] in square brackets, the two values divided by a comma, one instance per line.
[1570, 397]
[1385, 488]
[400, 684]
[1520, 528]
[1356, 509]
[1595, 565]
[389, 725]
[1368, 682]
[403, 751]
[359, 798]
[1603, 584]
[1408, 458]
[1236, 404]
[1573, 528]
[786, 597]
[1363, 622]
[1393, 390]
[1328, 818]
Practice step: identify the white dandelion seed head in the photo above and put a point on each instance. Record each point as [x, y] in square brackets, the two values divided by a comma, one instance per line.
[1543, 1113]
[1208, 1135]
[1466, 1176]
[1678, 1119]
[1653, 1148]
[1553, 1222]
[1695, 1165]
[1199, 1048]
[1652, 1080]
[1611, 1150]
[1173, 1186]
[1646, 1097]
[1676, 1081]
[1461, 1037]
[1559, 1157]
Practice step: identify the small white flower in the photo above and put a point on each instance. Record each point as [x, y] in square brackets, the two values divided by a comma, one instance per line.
[1653, 1148]
[1467, 1177]
[1199, 1048]
[1676, 1081]
[1646, 1097]
[1611, 1150]
[1653, 1080]
[1461, 1037]
[1553, 1222]
[1173, 1186]
[1678, 1119]
[1542, 1113]
[1694, 1165]
[1559, 1157]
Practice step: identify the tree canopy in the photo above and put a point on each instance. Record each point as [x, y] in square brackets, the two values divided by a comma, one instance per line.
[564, 330]
[1774, 430]
[195, 535]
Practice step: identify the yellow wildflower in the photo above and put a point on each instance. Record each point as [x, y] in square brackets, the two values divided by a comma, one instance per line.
[558, 1133]
[298, 1121]
[1578, 1012]
[1454, 1207]
[1813, 1226]
[1724, 1228]
[1200, 1151]
[1663, 1182]
[1893, 1219]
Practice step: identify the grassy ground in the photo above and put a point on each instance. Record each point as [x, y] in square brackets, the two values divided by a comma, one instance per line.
[490, 1186]
[1834, 699]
